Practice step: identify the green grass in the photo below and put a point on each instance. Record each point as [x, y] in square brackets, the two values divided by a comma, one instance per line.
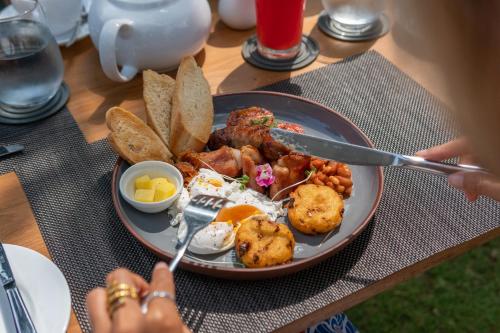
[461, 295]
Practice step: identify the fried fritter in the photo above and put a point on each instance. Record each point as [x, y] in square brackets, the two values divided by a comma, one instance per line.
[262, 243]
[315, 209]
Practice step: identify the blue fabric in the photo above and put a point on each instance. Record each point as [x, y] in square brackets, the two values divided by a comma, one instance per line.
[336, 324]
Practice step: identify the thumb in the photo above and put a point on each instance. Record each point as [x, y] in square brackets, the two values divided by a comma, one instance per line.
[476, 183]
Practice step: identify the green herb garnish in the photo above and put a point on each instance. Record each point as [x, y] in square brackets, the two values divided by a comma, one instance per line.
[261, 121]
[310, 172]
[243, 180]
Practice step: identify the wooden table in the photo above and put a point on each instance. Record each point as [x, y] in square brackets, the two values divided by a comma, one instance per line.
[92, 94]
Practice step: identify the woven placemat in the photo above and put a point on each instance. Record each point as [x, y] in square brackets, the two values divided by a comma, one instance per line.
[68, 184]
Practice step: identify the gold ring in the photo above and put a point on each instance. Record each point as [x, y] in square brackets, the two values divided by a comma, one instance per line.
[117, 293]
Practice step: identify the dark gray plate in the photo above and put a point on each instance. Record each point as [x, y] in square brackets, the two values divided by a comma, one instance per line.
[156, 233]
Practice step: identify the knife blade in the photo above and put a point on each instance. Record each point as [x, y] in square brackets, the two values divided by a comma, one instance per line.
[359, 155]
[22, 319]
[6, 312]
[10, 149]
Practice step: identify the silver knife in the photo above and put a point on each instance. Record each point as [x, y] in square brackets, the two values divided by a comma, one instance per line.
[359, 155]
[10, 149]
[6, 312]
[22, 319]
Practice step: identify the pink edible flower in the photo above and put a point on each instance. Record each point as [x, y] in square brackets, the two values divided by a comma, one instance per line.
[265, 176]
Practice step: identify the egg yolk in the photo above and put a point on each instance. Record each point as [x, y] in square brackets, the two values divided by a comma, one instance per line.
[236, 214]
[214, 182]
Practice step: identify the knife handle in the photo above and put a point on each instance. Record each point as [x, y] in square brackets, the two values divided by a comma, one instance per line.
[22, 319]
[418, 163]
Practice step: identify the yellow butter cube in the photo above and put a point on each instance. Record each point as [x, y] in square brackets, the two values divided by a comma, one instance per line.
[144, 195]
[143, 182]
[160, 180]
[164, 191]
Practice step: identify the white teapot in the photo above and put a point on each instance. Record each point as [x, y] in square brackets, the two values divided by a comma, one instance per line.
[147, 34]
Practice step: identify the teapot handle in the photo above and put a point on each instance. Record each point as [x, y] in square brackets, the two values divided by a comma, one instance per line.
[107, 51]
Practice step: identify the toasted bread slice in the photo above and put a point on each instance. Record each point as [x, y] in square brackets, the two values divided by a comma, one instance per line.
[192, 109]
[132, 139]
[157, 92]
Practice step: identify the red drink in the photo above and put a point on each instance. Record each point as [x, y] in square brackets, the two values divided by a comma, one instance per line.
[279, 27]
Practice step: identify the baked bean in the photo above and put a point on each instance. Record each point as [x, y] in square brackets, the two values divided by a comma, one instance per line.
[318, 182]
[332, 174]
[318, 164]
[344, 181]
[321, 176]
[334, 180]
[344, 171]
[327, 170]
[333, 166]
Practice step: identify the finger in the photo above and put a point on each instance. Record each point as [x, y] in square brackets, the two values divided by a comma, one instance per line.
[468, 159]
[98, 313]
[448, 150]
[127, 317]
[126, 276]
[162, 313]
[476, 183]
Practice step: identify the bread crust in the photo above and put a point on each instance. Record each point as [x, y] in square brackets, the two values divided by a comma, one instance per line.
[192, 109]
[158, 90]
[132, 139]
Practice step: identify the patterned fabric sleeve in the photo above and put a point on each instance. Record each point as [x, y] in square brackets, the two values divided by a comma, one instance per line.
[336, 324]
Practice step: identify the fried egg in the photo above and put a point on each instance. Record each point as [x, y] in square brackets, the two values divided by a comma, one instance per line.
[219, 236]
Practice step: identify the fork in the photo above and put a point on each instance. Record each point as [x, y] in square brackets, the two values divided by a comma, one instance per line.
[201, 210]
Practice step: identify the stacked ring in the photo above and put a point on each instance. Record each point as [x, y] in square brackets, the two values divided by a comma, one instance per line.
[117, 293]
[155, 294]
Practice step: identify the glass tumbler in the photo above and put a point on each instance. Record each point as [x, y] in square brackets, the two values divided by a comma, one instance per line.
[354, 17]
[279, 27]
[31, 65]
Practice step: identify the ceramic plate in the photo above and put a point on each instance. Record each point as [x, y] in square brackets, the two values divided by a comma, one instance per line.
[156, 233]
[43, 287]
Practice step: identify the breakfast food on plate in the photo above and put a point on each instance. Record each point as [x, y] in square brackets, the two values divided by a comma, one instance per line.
[157, 93]
[132, 139]
[192, 109]
[315, 209]
[243, 164]
[153, 190]
[244, 203]
[187, 170]
[262, 243]
[288, 170]
[249, 126]
[332, 174]
[226, 160]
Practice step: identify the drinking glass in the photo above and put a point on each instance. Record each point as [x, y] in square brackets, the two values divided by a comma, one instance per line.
[31, 66]
[279, 27]
[354, 17]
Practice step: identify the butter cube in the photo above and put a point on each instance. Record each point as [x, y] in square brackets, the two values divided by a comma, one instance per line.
[164, 191]
[143, 182]
[157, 181]
[144, 195]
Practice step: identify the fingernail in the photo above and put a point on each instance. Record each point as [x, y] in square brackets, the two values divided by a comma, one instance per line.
[161, 265]
[456, 180]
[421, 152]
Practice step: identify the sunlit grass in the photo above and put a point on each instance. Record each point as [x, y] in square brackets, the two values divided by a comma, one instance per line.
[462, 295]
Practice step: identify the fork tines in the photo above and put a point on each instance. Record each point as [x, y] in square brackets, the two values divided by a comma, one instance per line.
[208, 200]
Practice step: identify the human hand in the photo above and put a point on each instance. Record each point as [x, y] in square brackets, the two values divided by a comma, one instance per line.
[473, 184]
[162, 315]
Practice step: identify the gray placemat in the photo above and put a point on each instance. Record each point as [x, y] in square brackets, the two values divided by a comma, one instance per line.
[68, 184]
